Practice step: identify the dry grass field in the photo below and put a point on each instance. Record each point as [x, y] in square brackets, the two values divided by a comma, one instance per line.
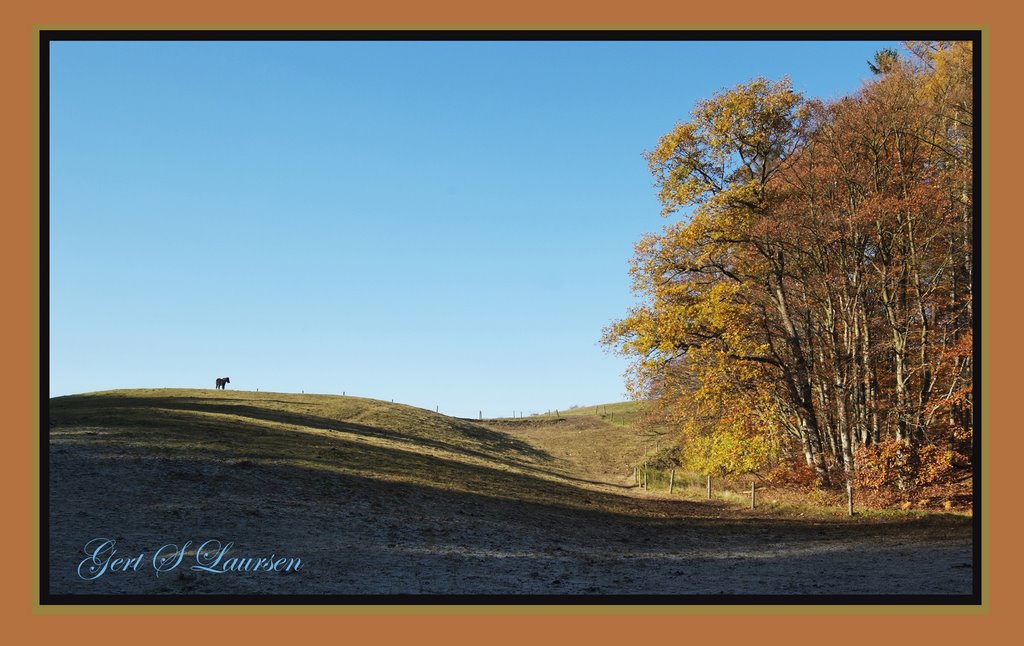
[374, 498]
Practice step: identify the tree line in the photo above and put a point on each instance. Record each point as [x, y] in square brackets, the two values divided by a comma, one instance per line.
[812, 300]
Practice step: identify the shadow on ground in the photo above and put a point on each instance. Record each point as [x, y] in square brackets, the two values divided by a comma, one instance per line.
[378, 511]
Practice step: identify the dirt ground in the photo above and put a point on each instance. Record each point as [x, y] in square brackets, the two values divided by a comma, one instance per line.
[361, 536]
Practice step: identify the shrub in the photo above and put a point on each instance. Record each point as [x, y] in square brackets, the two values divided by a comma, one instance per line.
[894, 473]
[794, 474]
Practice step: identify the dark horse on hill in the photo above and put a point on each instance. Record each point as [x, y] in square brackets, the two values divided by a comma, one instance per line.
[222, 381]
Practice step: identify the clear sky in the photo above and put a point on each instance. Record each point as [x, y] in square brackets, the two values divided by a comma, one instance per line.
[443, 224]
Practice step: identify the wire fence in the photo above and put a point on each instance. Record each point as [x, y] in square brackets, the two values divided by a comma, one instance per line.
[678, 482]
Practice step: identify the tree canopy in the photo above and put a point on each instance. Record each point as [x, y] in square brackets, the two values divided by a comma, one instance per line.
[811, 301]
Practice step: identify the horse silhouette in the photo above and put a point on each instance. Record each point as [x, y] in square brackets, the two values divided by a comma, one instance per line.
[222, 381]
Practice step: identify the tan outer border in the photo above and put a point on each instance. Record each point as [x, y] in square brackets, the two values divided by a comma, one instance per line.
[465, 625]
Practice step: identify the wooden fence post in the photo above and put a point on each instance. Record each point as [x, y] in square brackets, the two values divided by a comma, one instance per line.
[849, 497]
[709, 486]
[672, 481]
[753, 496]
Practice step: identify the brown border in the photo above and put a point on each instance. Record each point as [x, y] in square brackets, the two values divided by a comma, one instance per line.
[832, 625]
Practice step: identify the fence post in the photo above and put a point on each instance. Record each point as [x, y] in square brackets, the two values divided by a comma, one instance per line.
[672, 481]
[709, 486]
[849, 497]
[753, 495]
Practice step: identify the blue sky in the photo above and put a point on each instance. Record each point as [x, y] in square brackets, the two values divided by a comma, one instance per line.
[439, 223]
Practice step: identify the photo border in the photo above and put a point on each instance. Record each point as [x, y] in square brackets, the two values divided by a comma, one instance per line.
[601, 623]
[46, 38]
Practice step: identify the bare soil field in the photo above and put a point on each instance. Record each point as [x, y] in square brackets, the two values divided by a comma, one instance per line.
[383, 499]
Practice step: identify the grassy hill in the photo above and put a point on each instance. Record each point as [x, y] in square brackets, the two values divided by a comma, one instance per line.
[321, 433]
[596, 443]
[380, 498]
[626, 409]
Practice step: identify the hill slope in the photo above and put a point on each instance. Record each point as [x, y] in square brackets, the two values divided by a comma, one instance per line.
[332, 434]
[383, 499]
[598, 443]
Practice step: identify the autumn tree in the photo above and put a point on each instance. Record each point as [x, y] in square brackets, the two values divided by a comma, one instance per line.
[812, 298]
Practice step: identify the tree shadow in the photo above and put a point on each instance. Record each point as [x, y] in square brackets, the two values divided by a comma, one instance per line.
[372, 519]
[249, 446]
